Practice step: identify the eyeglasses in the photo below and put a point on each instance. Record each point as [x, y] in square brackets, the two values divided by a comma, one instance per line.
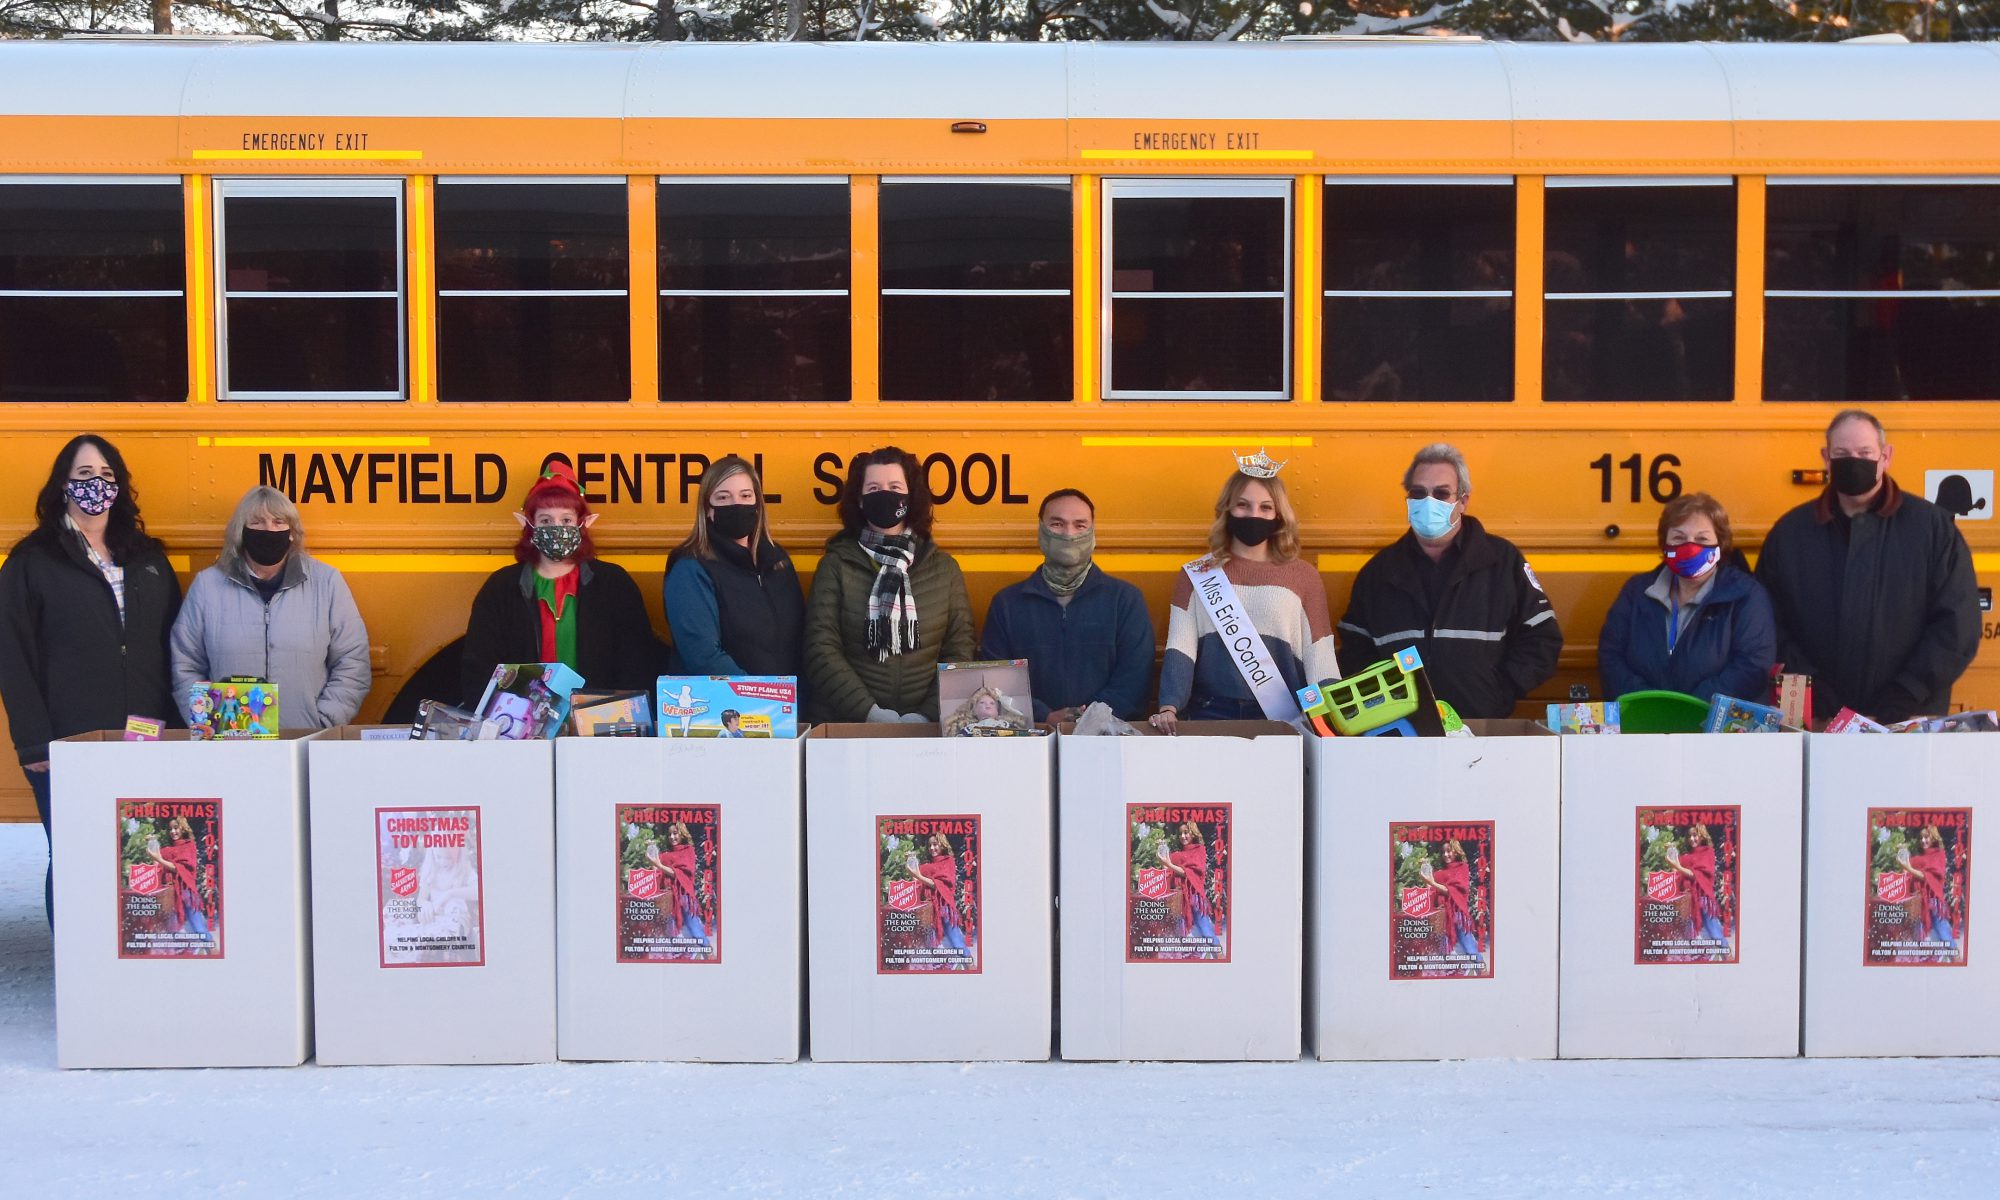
[1443, 491]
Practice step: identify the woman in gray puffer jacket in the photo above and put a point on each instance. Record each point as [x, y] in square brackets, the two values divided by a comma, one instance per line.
[267, 610]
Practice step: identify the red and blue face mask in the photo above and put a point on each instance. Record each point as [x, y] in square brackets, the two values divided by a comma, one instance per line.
[1692, 560]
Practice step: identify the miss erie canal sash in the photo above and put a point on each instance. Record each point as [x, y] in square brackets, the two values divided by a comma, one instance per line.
[1241, 640]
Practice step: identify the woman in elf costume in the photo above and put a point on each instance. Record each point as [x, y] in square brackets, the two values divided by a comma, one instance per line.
[562, 603]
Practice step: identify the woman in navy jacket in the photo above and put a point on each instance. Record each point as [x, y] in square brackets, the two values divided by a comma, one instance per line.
[1699, 624]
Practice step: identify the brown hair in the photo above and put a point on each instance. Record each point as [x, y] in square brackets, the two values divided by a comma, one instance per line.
[1191, 830]
[721, 471]
[918, 520]
[1284, 544]
[1680, 508]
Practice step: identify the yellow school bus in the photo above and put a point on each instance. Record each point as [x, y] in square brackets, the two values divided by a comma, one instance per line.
[395, 280]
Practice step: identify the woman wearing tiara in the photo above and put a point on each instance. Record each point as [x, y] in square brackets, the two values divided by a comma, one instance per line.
[1255, 581]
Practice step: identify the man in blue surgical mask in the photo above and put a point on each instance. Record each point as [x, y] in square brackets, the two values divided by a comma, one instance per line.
[1872, 586]
[1466, 599]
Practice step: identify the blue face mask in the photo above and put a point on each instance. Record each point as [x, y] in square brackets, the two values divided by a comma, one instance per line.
[1432, 518]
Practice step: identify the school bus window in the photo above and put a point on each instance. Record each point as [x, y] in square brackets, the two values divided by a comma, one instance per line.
[1419, 289]
[754, 284]
[1198, 274]
[312, 302]
[1882, 290]
[1640, 278]
[976, 290]
[532, 278]
[93, 301]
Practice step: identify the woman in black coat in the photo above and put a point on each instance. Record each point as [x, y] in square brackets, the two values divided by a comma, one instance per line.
[87, 602]
[562, 603]
[733, 601]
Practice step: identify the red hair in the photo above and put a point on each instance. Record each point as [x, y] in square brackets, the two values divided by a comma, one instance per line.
[557, 488]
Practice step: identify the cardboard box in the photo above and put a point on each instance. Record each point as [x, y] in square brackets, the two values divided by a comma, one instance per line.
[1139, 977]
[1873, 985]
[951, 959]
[433, 900]
[1644, 973]
[1388, 974]
[138, 982]
[678, 900]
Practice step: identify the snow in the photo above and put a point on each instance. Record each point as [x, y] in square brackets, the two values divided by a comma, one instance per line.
[1908, 1127]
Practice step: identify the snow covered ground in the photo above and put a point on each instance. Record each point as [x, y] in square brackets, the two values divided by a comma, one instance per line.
[1828, 1129]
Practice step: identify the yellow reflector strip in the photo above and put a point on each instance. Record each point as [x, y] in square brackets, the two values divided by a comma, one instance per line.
[308, 155]
[1200, 155]
[1156, 441]
[259, 443]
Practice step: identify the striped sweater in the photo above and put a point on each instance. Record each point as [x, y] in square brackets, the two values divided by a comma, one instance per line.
[1286, 602]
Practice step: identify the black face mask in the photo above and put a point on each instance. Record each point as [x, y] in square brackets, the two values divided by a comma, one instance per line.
[1252, 531]
[1855, 476]
[267, 547]
[729, 522]
[885, 510]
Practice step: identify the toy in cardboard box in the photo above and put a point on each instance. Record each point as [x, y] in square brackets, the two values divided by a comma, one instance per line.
[1849, 721]
[1726, 714]
[610, 714]
[437, 721]
[985, 699]
[728, 706]
[526, 701]
[237, 707]
[1986, 721]
[1585, 717]
[1393, 698]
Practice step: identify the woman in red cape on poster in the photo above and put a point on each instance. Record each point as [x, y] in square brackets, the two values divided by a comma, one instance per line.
[939, 879]
[1454, 879]
[1698, 863]
[683, 882]
[1930, 866]
[181, 857]
[1190, 867]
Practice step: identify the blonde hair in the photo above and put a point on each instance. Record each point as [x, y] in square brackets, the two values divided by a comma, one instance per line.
[1284, 544]
[1192, 831]
[261, 501]
[720, 472]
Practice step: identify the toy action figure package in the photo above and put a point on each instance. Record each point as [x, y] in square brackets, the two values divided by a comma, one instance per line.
[985, 699]
[527, 701]
[1849, 721]
[610, 714]
[728, 706]
[237, 707]
[1726, 714]
[1966, 722]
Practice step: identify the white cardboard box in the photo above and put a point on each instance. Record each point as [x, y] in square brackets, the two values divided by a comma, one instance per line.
[1856, 1009]
[990, 1001]
[708, 971]
[126, 995]
[1385, 981]
[1123, 995]
[1613, 1004]
[433, 900]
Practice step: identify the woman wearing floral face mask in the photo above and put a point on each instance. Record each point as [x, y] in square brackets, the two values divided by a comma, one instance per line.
[562, 603]
[86, 603]
[1697, 624]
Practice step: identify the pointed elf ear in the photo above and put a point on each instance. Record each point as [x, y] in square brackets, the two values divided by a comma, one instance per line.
[590, 520]
[522, 518]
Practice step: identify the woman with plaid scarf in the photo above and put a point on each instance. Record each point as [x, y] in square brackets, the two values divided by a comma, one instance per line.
[887, 605]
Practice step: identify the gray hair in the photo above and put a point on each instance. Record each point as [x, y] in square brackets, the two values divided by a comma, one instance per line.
[1440, 454]
[261, 501]
[1856, 414]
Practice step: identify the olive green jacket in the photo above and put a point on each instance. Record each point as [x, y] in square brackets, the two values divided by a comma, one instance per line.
[843, 678]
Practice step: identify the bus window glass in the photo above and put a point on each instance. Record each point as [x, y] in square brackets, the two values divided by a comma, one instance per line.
[92, 291]
[1882, 291]
[312, 299]
[754, 290]
[976, 290]
[1419, 290]
[1199, 275]
[1640, 299]
[532, 280]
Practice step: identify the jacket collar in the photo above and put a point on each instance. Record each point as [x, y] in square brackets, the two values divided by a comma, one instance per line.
[527, 578]
[1726, 586]
[236, 570]
[1886, 505]
[1475, 546]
